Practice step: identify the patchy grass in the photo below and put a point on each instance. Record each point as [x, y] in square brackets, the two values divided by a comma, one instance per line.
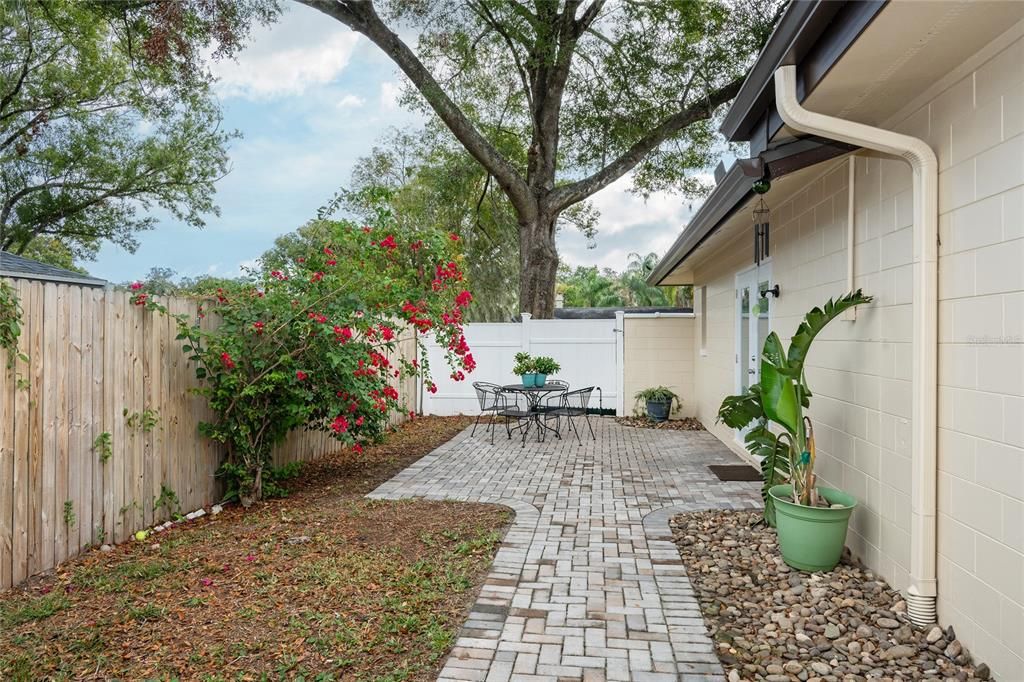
[377, 592]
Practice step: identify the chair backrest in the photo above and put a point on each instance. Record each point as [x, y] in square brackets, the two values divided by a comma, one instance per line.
[486, 394]
[578, 399]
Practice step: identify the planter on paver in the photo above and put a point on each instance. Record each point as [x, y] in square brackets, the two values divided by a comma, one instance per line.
[812, 538]
[657, 410]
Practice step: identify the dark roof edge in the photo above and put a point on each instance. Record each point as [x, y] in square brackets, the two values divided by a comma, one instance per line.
[81, 280]
[723, 201]
[819, 29]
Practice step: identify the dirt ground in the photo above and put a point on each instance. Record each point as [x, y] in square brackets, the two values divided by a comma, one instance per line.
[321, 585]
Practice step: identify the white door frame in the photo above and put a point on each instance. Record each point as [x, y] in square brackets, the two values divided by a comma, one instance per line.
[749, 363]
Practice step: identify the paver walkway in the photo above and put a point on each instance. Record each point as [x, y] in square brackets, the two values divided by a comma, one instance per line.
[587, 584]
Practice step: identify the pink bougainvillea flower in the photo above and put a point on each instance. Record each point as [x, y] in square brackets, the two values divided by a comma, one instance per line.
[332, 262]
[327, 251]
[389, 243]
[250, 557]
[343, 334]
[454, 237]
[359, 420]
[258, 326]
[340, 424]
[206, 582]
[416, 245]
[141, 299]
[463, 299]
[300, 259]
[136, 286]
[300, 375]
[317, 276]
[225, 359]
[358, 448]
[386, 332]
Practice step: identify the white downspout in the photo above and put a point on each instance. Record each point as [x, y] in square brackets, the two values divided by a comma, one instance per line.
[851, 216]
[921, 593]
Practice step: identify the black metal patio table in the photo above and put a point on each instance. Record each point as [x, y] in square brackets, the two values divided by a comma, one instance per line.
[534, 412]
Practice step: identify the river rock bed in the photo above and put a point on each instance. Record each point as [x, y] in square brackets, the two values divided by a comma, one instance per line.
[770, 622]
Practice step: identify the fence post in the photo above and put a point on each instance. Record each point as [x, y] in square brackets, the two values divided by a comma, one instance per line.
[525, 343]
[620, 362]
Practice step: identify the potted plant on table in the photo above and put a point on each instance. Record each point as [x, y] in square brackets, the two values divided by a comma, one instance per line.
[545, 367]
[534, 371]
[659, 401]
[811, 520]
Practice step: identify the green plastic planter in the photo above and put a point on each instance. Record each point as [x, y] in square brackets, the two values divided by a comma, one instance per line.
[811, 538]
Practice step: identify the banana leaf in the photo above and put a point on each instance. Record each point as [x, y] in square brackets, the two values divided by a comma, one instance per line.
[814, 322]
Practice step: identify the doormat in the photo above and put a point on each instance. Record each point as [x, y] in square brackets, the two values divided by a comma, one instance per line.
[735, 472]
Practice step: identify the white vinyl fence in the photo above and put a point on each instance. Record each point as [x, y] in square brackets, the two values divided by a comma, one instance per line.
[589, 351]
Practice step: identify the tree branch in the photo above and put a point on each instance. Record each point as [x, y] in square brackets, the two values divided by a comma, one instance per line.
[360, 16]
[573, 193]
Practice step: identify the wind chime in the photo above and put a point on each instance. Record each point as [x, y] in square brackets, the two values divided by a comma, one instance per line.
[762, 229]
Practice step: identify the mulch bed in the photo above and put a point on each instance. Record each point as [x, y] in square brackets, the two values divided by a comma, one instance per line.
[770, 622]
[323, 584]
[684, 424]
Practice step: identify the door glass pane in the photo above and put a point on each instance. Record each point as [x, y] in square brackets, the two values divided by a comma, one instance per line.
[744, 345]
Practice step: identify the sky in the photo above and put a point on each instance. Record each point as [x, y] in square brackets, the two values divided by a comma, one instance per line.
[311, 97]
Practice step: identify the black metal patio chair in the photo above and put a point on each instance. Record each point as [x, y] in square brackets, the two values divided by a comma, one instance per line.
[516, 409]
[572, 405]
[492, 401]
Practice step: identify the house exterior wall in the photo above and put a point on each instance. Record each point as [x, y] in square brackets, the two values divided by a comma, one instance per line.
[860, 371]
[658, 351]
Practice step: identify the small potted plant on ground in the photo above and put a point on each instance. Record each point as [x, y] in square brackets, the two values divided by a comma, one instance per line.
[659, 402]
[544, 367]
[811, 520]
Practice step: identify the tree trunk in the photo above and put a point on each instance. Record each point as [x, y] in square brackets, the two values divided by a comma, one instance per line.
[538, 265]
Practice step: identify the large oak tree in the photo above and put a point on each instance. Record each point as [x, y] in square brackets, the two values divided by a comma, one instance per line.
[106, 111]
[595, 90]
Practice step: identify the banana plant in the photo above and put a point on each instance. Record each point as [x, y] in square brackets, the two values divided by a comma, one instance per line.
[780, 399]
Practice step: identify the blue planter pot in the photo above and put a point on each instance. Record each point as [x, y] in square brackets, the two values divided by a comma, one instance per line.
[540, 379]
[529, 380]
[657, 410]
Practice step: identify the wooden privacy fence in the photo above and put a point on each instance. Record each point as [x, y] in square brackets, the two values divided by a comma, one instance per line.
[98, 429]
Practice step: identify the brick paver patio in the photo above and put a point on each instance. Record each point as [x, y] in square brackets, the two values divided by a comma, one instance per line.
[587, 584]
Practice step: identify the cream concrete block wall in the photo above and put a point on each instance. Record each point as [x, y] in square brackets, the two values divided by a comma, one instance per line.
[977, 127]
[658, 351]
[860, 371]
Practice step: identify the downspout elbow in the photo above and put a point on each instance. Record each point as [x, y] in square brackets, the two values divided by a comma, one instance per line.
[922, 590]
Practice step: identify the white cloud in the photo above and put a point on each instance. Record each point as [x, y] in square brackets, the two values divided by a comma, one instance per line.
[621, 209]
[390, 91]
[350, 101]
[301, 51]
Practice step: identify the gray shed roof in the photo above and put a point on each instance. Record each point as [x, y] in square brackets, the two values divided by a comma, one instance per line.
[20, 267]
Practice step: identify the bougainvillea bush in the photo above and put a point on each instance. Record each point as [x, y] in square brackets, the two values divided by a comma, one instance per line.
[310, 345]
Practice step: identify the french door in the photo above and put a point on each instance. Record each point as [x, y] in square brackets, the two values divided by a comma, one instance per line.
[753, 317]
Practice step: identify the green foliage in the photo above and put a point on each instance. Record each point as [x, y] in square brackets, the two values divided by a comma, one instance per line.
[34, 609]
[590, 287]
[781, 398]
[10, 323]
[660, 394]
[546, 365]
[69, 514]
[527, 364]
[146, 420]
[168, 501]
[104, 446]
[105, 115]
[238, 479]
[310, 343]
[427, 178]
